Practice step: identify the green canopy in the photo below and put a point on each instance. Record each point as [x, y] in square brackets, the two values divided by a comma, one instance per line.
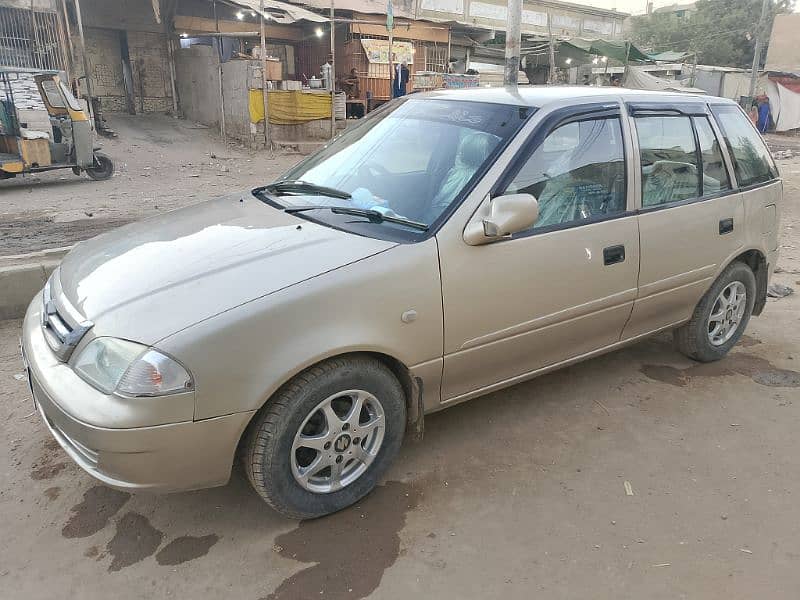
[670, 56]
[619, 51]
[581, 51]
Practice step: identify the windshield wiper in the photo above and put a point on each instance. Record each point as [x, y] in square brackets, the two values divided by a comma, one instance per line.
[374, 216]
[289, 186]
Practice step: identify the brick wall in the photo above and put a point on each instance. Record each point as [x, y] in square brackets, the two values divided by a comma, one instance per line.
[149, 61]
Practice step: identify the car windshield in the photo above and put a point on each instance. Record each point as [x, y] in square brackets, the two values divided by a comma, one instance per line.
[411, 160]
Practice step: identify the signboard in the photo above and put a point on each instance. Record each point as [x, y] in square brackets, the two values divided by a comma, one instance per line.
[448, 6]
[456, 81]
[531, 17]
[497, 12]
[603, 27]
[488, 11]
[565, 22]
[378, 51]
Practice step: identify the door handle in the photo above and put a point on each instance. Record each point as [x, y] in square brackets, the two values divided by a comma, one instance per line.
[613, 255]
[725, 226]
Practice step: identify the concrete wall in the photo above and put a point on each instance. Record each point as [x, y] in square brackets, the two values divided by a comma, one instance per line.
[104, 24]
[133, 15]
[198, 84]
[710, 81]
[198, 88]
[237, 98]
[317, 130]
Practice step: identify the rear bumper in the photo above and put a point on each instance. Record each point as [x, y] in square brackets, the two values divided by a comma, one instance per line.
[162, 458]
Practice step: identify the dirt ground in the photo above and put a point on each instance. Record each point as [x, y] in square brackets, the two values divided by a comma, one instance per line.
[161, 164]
[517, 495]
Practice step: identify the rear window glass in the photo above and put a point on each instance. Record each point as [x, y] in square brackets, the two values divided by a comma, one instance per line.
[752, 162]
[669, 160]
[715, 175]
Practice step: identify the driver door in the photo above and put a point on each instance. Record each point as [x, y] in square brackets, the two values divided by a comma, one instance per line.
[565, 287]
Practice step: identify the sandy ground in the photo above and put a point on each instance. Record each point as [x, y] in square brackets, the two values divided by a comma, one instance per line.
[517, 495]
[161, 164]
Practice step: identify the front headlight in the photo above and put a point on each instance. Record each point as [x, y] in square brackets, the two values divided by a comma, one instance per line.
[113, 365]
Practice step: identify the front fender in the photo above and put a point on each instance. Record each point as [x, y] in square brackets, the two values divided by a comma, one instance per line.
[241, 357]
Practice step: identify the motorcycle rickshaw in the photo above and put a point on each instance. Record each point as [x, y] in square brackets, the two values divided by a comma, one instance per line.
[67, 144]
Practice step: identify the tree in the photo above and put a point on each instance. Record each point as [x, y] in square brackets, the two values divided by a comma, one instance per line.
[721, 32]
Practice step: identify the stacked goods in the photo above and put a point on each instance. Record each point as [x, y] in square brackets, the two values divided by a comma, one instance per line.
[26, 94]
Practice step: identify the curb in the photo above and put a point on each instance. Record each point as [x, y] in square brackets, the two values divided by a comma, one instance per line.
[22, 276]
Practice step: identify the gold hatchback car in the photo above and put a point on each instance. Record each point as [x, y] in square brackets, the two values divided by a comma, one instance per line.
[451, 244]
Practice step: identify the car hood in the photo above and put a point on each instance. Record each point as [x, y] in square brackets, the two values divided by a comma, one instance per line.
[149, 279]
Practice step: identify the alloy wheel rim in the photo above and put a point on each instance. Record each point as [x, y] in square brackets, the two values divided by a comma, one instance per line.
[727, 313]
[337, 441]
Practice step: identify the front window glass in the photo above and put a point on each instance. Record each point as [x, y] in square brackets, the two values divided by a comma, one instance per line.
[669, 160]
[751, 160]
[51, 91]
[576, 174]
[412, 159]
[71, 100]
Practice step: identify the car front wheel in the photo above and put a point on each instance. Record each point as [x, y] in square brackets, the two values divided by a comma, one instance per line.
[719, 320]
[326, 437]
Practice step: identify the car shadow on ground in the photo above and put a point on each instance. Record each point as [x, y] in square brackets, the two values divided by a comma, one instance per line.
[519, 428]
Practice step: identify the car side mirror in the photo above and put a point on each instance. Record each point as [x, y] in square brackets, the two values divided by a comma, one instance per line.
[508, 214]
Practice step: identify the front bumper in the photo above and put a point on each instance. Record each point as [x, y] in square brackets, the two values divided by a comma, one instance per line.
[161, 458]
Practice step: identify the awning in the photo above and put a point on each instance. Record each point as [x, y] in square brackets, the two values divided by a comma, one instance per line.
[670, 56]
[280, 12]
[618, 51]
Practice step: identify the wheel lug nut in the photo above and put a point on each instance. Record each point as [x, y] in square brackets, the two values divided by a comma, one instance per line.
[356, 440]
[346, 426]
[339, 458]
[327, 445]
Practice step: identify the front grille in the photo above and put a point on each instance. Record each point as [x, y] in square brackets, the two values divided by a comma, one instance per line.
[63, 327]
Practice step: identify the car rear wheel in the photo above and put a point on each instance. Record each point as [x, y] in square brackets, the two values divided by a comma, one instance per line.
[325, 439]
[719, 320]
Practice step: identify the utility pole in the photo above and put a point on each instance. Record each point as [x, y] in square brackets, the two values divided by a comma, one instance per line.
[264, 92]
[552, 49]
[333, 74]
[513, 42]
[757, 49]
[390, 30]
[86, 74]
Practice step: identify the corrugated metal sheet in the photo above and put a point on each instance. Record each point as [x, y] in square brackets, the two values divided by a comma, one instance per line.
[43, 5]
[281, 12]
[400, 8]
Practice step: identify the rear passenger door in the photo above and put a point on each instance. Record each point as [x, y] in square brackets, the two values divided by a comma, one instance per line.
[691, 220]
[757, 178]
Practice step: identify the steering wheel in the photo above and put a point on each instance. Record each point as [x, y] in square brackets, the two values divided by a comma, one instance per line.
[375, 170]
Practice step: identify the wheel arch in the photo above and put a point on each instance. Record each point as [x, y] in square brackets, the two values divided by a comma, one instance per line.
[757, 261]
[412, 388]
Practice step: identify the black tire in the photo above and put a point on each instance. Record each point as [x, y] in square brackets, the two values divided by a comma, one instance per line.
[692, 340]
[102, 169]
[267, 444]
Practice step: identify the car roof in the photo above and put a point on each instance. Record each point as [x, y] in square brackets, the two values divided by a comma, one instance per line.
[539, 96]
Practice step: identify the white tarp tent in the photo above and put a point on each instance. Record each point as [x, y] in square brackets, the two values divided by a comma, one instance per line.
[785, 106]
[638, 79]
